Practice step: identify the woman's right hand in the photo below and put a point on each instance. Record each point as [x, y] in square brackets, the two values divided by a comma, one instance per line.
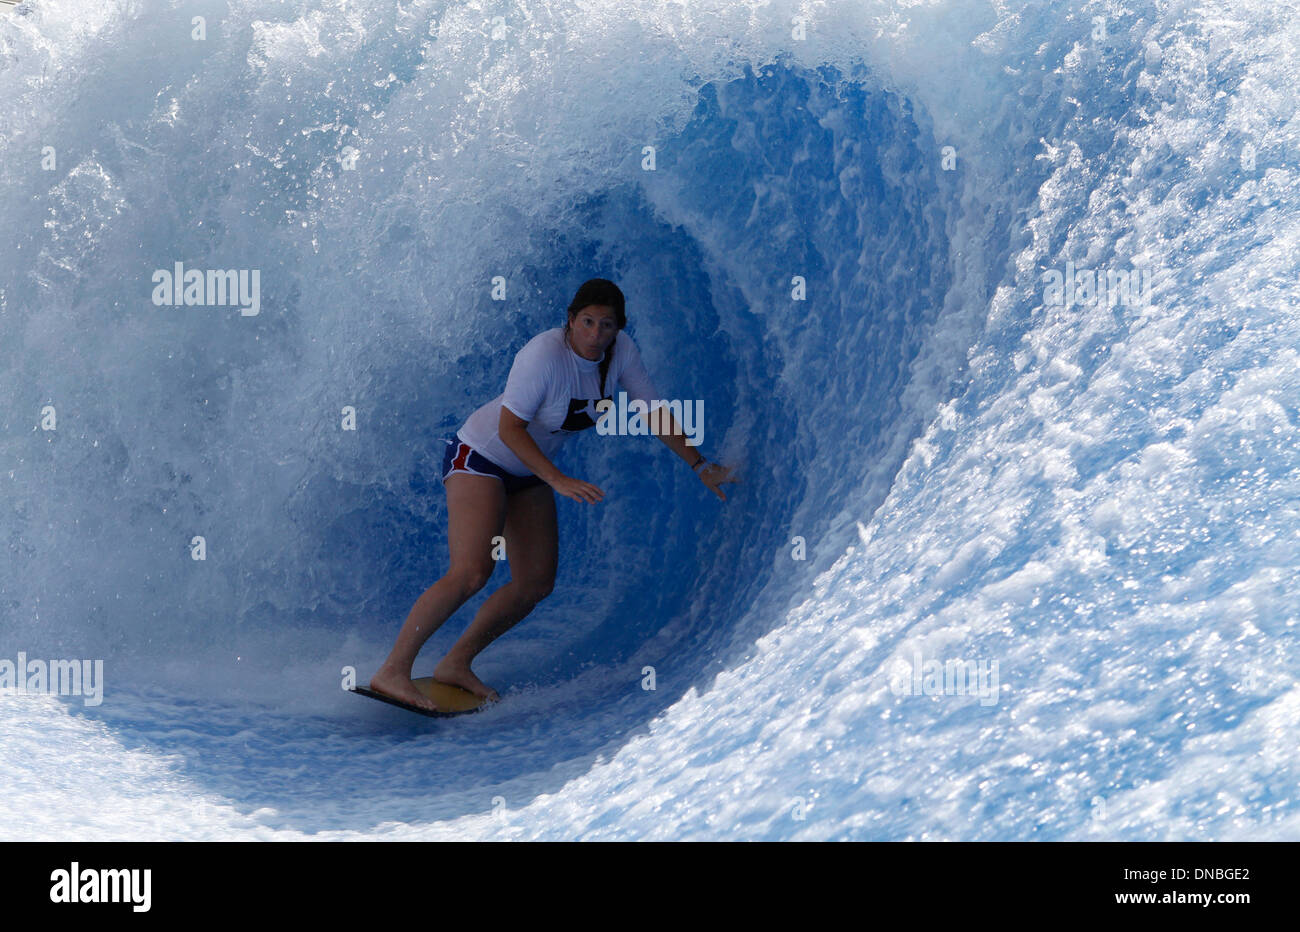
[577, 490]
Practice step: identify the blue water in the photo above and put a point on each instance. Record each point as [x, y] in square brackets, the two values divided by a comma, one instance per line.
[938, 465]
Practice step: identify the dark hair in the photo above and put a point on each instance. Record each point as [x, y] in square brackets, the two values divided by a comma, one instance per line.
[604, 292]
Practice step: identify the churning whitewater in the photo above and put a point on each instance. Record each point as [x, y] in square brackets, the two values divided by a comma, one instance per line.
[992, 306]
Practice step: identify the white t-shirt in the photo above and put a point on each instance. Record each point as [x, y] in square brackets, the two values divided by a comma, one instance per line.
[555, 390]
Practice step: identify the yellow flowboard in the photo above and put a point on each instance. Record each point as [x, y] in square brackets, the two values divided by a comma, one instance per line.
[452, 700]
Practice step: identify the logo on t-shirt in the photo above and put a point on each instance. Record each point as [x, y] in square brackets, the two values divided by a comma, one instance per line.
[582, 414]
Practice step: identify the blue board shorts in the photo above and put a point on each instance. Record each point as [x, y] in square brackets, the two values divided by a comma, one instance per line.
[461, 457]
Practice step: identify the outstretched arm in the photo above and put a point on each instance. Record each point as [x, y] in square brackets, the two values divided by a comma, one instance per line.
[674, 438]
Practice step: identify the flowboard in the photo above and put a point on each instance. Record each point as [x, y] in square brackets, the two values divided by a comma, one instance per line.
[455, 700]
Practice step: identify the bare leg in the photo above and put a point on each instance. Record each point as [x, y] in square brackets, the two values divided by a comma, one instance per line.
[531, 548]
[476, 508]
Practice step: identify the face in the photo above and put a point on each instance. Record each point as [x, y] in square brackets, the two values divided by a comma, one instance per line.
[592, 330]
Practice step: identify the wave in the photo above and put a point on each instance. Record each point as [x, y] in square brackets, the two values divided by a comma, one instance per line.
[839, 232]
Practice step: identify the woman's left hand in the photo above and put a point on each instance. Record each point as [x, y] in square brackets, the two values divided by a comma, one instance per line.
[714, 475]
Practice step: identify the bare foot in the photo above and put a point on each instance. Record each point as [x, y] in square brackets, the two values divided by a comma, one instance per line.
[460, 675]
[399, 686]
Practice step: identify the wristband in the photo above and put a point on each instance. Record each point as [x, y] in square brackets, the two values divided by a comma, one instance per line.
[696, 464]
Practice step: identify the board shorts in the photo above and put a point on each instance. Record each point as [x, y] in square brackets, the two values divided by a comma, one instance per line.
[461, 457]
